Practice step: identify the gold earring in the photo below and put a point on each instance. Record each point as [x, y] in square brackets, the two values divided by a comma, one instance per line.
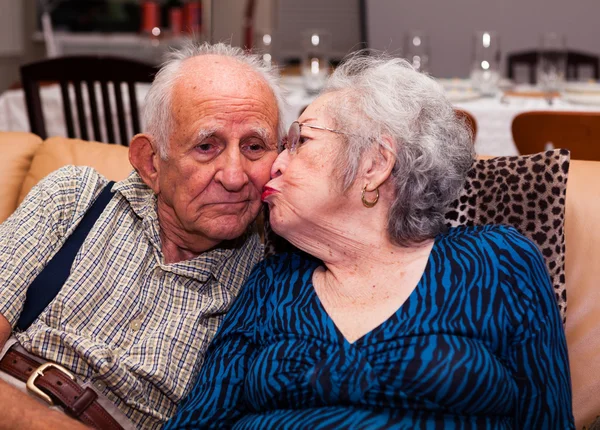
[369, 204]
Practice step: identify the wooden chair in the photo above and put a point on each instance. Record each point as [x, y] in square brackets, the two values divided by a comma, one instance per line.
[469, 119]
[575, 60]
[77, 70]
[579, 132]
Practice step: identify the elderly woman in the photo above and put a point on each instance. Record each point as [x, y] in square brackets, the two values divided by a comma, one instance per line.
[386, 319]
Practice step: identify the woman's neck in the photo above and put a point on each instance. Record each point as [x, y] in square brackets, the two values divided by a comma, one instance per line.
[374, 268]
[354, 250]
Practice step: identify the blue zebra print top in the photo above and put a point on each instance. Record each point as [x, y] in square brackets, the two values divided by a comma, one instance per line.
[478, 344]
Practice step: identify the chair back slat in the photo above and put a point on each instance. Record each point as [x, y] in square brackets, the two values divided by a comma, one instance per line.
[579, 132]
[469, 120]
[575, 60]
[110, 131]
[88, 69]
[94, 110]
[68, 111]
[135, 122]
[83, 132]
[120, 112]
[34, 107]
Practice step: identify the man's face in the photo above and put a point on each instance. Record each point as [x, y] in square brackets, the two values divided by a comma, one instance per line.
[222, 145]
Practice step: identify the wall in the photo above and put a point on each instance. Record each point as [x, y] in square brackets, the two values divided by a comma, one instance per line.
[228, 19]
[17, 19]
[450, 25]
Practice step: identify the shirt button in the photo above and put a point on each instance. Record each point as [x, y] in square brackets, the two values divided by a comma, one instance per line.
[135, 325]
[99, 386]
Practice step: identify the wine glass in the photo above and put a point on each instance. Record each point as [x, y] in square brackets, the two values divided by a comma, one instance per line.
[316, 47]
[485, 71]
[264, 46]
[417, 50]
[552, 63]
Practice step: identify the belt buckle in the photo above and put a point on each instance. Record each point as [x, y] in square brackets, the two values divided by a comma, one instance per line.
[40, 372]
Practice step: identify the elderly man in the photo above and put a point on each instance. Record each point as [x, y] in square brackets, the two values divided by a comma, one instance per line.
[164, 260]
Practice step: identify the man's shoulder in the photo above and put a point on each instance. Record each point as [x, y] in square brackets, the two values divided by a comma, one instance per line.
[72, 178]
[70, 189]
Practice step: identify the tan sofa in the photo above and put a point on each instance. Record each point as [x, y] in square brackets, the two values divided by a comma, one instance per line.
[25, 159]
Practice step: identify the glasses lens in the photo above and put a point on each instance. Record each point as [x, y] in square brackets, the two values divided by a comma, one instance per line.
[293, 137]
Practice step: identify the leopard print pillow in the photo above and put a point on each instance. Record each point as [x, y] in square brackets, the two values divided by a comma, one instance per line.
[527, 192]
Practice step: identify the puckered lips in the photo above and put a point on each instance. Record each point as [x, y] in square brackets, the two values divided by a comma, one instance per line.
[267, 191]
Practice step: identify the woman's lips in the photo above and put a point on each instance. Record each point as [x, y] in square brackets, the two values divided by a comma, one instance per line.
[267, 191]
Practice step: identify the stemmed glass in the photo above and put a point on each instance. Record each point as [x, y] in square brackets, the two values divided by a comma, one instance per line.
[316, 46]
[265, 46]
[485, 72]
[552, 63]
[417, 50]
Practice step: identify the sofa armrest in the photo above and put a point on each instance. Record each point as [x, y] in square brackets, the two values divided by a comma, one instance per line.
[17, 149]
[582, 235]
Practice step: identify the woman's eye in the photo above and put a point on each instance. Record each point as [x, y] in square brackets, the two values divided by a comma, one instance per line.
[283, 144]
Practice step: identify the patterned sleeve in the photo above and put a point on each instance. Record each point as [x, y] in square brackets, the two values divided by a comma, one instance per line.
[37, 229]
[216, 399]
[538, 351]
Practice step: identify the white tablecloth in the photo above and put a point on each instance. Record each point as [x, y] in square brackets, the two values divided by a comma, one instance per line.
[494, 116]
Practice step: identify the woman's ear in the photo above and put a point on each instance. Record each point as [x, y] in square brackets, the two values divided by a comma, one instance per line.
[145, 160]
[379, 164]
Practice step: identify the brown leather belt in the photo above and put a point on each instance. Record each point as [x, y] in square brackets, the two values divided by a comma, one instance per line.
[56, 385]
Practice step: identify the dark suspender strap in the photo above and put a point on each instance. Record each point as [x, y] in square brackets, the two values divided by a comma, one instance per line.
[48, 283]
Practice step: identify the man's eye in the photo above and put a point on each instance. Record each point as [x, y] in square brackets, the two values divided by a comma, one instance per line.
[206, 147]
[254, 148]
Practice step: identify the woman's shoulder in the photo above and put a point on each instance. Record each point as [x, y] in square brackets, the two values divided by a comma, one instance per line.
[500, 245]
[498, 234]
[504, 244]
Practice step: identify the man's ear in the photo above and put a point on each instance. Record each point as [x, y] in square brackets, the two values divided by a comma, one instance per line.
[379, 164]
[144, 159]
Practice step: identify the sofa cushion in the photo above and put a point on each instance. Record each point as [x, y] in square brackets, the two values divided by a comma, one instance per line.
[111, 161]
[527, 192]
[17, 152]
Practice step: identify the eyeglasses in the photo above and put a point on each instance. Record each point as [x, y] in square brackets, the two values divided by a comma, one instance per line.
[292, 141]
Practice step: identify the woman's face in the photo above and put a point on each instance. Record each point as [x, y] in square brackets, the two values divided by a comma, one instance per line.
[304, 195]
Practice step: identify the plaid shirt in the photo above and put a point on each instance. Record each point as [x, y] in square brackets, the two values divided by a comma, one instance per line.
[135, 327]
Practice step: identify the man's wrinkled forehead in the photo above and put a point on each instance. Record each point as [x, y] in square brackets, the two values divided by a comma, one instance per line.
[217, 73]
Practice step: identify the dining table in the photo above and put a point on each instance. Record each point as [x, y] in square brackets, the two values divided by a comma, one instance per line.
[493, 113]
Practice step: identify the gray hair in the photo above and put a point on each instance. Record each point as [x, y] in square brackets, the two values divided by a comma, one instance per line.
[377, 96]
[158, 118]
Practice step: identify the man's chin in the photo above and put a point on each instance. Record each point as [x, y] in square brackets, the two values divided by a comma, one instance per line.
[228, 227]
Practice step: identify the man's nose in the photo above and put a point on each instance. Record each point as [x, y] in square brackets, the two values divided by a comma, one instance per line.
[232, 174]
[280, 164]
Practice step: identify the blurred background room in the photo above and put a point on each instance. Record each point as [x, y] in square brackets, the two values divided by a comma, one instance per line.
[522, 74]
[495, 60]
